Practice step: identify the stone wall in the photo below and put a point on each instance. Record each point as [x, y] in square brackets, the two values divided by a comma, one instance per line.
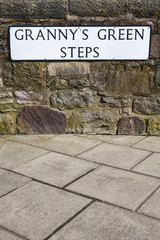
[103, 97]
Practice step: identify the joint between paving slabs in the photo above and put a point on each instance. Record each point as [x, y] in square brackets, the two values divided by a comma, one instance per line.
[140, 162]
[69, 220]
[13, 233]
[138, 141]
[88, 149]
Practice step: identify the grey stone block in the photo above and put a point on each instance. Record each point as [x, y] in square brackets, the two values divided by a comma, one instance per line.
[32, 9]
[96, 8]
[155, 46]
[152, 206]
[10, 181]
[157, 74]
[55, 169]
[36, 210]
[116, 186]
[102, 221]
[117, 156]
[151, 143]
[148, 106]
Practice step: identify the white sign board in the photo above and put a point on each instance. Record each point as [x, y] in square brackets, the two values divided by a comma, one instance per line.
[79, 42]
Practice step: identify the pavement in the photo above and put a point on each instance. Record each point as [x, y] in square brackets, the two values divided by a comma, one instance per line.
[79, 187]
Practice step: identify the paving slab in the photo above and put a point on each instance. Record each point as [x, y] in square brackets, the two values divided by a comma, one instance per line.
[114, 155]
[10, 181]
[120, 140]
[13, 154]
[68, 144]
[116, 186]
[30, 139]
[8, 236]
[56, 168]
[104, 222]
[36, 210]
[150, 165]
[152, 206]
[150, 143]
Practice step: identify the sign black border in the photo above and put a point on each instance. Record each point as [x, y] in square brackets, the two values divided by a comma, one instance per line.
[78, 60]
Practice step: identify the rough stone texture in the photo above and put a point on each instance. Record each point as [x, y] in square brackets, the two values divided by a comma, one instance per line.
[93, 121]
[113, 155]
[116, 186]
[39, 120]
[62, 169]
[10, 181]
[96, 8]
[148, 106]
[150, 166]
[157, 74]
[34, 205]
[152, 206]
[74, 99]
[103, 221]
[30, 97]
[24, 75]
[131, 126]
[158, 25]
[115, 102]
[144, 8]
[34, 9]
[155, 46]
[7, 124]
[154, 126]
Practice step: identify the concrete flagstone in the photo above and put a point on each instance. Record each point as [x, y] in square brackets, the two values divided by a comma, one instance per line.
[152, 206]
[13, 154]
[116, 139]
[116, 186]
[150, 166]
[151, 143]
[68, 144]
[36, 210]
[10, 181]
[55, 168]
[104, 222]
[30, 139]
[8, 236]
[114, 155]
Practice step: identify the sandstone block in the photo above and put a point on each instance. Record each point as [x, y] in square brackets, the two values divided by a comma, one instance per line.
[131, 126]
[155, 46]
[154, 126]
[68, 68]
[30, 97]
[32, 9]
[115, 102]
[5, 97]
[7, 125]
[74, 99]
[41, 120]
[146, 106]
[157, 74]
[96, 8]
[144, 8]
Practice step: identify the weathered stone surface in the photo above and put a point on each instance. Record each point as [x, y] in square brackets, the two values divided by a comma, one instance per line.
[5, 97]
[96, 8]
[144, 8]
[103, 221]
[7, 124]
[30, 97]
[155, 46]
[93, 121]
[150, 144]
[131, 126]
[146, 105]
[7, 235]
[115, 102]
[37, 119]
[1, 82]
[157, 74]
[68, 68]
[74, 99]
[124, 79]
[153, 126]
[25, 75]
[34, 9]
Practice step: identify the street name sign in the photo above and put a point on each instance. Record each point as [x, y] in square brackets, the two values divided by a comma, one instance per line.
[79, 43]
